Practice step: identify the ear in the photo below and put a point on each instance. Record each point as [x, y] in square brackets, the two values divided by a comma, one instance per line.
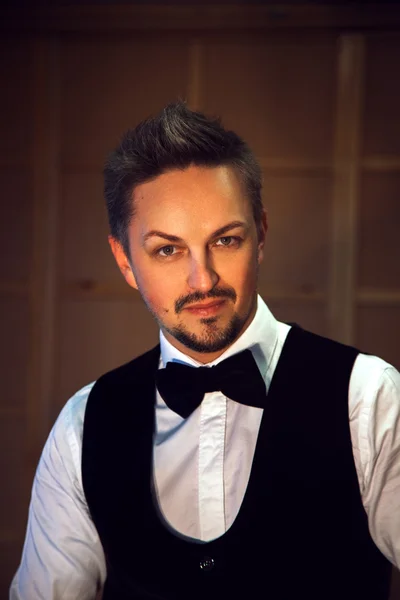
[261, 236]
[122, 261]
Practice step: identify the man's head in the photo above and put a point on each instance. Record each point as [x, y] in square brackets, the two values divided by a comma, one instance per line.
[187, 226]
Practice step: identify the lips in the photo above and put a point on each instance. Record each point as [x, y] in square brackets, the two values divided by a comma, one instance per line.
[205, 310]
[208, 305]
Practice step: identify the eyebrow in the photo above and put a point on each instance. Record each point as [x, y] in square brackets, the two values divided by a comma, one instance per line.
[175, 238]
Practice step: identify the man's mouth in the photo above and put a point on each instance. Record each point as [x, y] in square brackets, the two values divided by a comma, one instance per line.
[206, 308]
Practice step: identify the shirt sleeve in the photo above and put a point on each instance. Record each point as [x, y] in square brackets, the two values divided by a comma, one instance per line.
[379, 435]
[62, 556]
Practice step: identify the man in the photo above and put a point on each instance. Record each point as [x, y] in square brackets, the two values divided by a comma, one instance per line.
[274, 474]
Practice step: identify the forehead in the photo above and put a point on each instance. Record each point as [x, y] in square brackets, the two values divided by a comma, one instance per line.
[200, 197]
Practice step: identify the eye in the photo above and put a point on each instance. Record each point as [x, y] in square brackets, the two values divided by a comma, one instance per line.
[228, 241]
[166, 251]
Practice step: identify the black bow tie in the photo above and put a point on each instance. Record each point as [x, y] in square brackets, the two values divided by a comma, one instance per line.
[183, 387]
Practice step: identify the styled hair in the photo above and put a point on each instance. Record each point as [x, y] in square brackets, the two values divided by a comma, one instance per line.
[176, 138]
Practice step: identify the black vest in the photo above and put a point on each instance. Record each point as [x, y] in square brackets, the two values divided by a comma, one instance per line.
[301, 531]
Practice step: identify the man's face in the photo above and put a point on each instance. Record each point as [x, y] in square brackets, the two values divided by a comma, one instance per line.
[194, 257]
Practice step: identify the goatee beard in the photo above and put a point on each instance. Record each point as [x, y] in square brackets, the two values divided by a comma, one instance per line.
[213, 339]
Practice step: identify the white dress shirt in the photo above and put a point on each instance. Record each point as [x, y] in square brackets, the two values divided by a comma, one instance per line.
[201, 469]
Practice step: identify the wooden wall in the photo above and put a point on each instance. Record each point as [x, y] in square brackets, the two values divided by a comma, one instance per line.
[317, 96]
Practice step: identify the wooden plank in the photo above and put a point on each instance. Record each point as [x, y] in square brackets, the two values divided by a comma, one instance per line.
[10, 537]
[345, 190]
[195, 72]
[375, 297]
[204, 17]
[43, 271]
[7, 412]
[293, 296]
[282, 165]
[381, 164]
[97, 290]
[13, 288]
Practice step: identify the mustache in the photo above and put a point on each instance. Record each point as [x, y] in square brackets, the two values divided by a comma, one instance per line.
[200, 296]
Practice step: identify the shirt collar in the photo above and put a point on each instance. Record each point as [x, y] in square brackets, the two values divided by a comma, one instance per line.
[260, 337]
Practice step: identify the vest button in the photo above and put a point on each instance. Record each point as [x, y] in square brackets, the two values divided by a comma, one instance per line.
[207, 563]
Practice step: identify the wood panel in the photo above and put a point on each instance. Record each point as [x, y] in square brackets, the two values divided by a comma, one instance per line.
[10, 554]
[350, 65]
[109, 84]
[297, 249]
[379, 231]
[16, 212]
[43, 277]
[381, 130]
[15, 329]
[278, 93]
[310, 317]
[85, 256]
[15, 488]
[377, 332]
[15, 101]
[395, 588]
[207, 16]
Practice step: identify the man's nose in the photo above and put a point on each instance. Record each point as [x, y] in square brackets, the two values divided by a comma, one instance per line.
[202, 276]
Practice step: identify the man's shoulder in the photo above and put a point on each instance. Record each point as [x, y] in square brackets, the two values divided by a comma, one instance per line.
[316, 349]
[69, 423]
[368, 369]
[320, 340]
[72, 414]
[133, 367]
[372, 373]
[371, 378]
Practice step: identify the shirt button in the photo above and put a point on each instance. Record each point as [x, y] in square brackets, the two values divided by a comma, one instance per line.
[207, 563]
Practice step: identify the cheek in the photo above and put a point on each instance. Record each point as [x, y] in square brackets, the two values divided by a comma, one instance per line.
[244, 272]
[245, 285]
[250, 280]
[159, 293]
